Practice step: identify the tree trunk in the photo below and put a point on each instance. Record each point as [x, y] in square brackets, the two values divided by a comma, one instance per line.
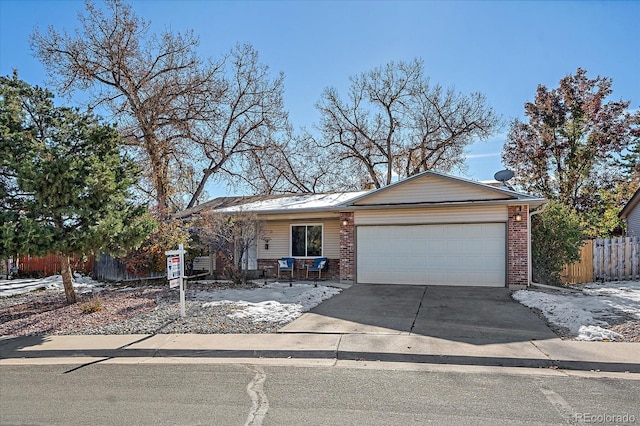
[67, 279]
[205, 177]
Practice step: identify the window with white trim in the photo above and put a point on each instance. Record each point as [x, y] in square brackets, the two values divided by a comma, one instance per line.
[306, 240]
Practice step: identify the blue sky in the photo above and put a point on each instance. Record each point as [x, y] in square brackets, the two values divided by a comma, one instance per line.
[503, 49]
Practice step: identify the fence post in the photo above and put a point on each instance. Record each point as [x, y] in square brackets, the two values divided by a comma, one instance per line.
[630, 262]
[624, 249]
[615, 265]
[635, 258]
[597, 259]
[607, 260]
[594, 260]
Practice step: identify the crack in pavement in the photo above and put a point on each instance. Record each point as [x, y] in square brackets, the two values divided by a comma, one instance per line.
[259, 401]
[418, 311]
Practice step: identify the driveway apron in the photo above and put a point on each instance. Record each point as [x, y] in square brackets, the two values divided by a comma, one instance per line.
[477, 315]
[466, 314]
[363, 308]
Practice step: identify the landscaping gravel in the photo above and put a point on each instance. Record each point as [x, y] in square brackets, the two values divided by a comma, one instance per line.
[123, 310]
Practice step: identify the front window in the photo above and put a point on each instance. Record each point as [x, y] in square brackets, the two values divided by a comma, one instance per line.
[306, 240]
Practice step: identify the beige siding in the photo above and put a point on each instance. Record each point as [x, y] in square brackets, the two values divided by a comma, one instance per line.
[474, 214]
[633, 222]
[332, 239]
[279, 233]
[427, 189]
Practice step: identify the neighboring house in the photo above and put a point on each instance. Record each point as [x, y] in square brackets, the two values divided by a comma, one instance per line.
[631, 215]
[430, 228]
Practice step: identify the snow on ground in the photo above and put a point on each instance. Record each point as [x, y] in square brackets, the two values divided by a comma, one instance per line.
[25, 285]
[275, 302]
[587, 313]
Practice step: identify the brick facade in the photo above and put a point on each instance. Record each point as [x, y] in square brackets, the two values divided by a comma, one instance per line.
[517, 246]
[344, 268]
[270, 268]
[347, 248]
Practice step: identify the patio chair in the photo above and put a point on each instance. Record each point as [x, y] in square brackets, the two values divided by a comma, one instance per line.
[286, 264]
[319, 264]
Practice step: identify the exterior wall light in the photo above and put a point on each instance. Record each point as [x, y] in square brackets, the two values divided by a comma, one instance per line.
[518, 215]
[345, 222]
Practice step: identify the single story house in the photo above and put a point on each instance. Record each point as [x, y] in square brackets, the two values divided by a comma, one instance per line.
[630, 213]
[431, 228]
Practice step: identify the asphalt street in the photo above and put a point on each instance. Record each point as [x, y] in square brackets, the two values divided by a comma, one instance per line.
[357, 394]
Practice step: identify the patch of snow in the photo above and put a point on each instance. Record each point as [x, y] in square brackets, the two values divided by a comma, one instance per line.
[275, 302]
[25, 285]
[596, 333]
[307, 201]
[588, 313]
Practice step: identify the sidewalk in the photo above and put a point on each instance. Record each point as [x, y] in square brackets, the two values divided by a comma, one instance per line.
[319, 348]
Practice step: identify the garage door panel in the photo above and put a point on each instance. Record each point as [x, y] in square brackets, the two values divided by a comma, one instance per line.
[465, 254]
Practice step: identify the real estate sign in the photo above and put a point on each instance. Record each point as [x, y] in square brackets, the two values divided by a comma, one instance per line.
[175, 273]
[173, 267]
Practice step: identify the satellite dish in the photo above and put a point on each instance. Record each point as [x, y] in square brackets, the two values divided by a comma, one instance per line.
[503, 175]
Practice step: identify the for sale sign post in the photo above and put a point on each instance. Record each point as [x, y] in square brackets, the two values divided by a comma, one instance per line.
[175, 273]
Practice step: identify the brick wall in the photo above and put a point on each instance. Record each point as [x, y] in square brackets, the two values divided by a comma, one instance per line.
[347, 248]
[517, 255]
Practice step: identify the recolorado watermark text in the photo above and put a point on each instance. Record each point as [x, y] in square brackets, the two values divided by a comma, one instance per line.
[605, 418]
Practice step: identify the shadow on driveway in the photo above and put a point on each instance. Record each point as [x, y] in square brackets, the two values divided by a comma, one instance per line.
[474, 315]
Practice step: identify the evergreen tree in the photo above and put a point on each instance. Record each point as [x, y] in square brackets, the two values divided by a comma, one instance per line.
[63, 182]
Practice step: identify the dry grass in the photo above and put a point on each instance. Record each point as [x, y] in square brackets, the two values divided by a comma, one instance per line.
[93, 305]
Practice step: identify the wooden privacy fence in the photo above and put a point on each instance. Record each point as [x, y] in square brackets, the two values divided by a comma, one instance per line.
[612, 259]
[616, 259]
[109, 268]
[50, 264]
[582, 270]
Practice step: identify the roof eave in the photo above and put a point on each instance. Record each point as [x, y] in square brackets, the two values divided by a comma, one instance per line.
[630, 205]
[503, 191]
[285, 211]
[533, 202]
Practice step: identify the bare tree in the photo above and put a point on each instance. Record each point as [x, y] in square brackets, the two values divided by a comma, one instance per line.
[173, 108]
[295, 164]
[395, 122]
[249, 115]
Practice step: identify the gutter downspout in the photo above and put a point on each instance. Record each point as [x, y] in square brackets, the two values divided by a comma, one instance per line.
[529, 266]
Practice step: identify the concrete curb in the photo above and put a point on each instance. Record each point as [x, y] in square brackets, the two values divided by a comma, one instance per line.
[547, 354]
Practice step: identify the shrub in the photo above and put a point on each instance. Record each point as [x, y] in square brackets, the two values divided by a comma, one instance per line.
[557, 236]
[150, 256]
[91, 306]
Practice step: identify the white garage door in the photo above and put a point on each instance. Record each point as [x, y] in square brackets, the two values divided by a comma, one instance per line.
[465, 255]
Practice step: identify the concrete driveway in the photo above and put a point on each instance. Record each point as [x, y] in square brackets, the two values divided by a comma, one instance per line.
[466, 314]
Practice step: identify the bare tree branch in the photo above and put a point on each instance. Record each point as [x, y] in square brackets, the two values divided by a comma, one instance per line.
[396, 123]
